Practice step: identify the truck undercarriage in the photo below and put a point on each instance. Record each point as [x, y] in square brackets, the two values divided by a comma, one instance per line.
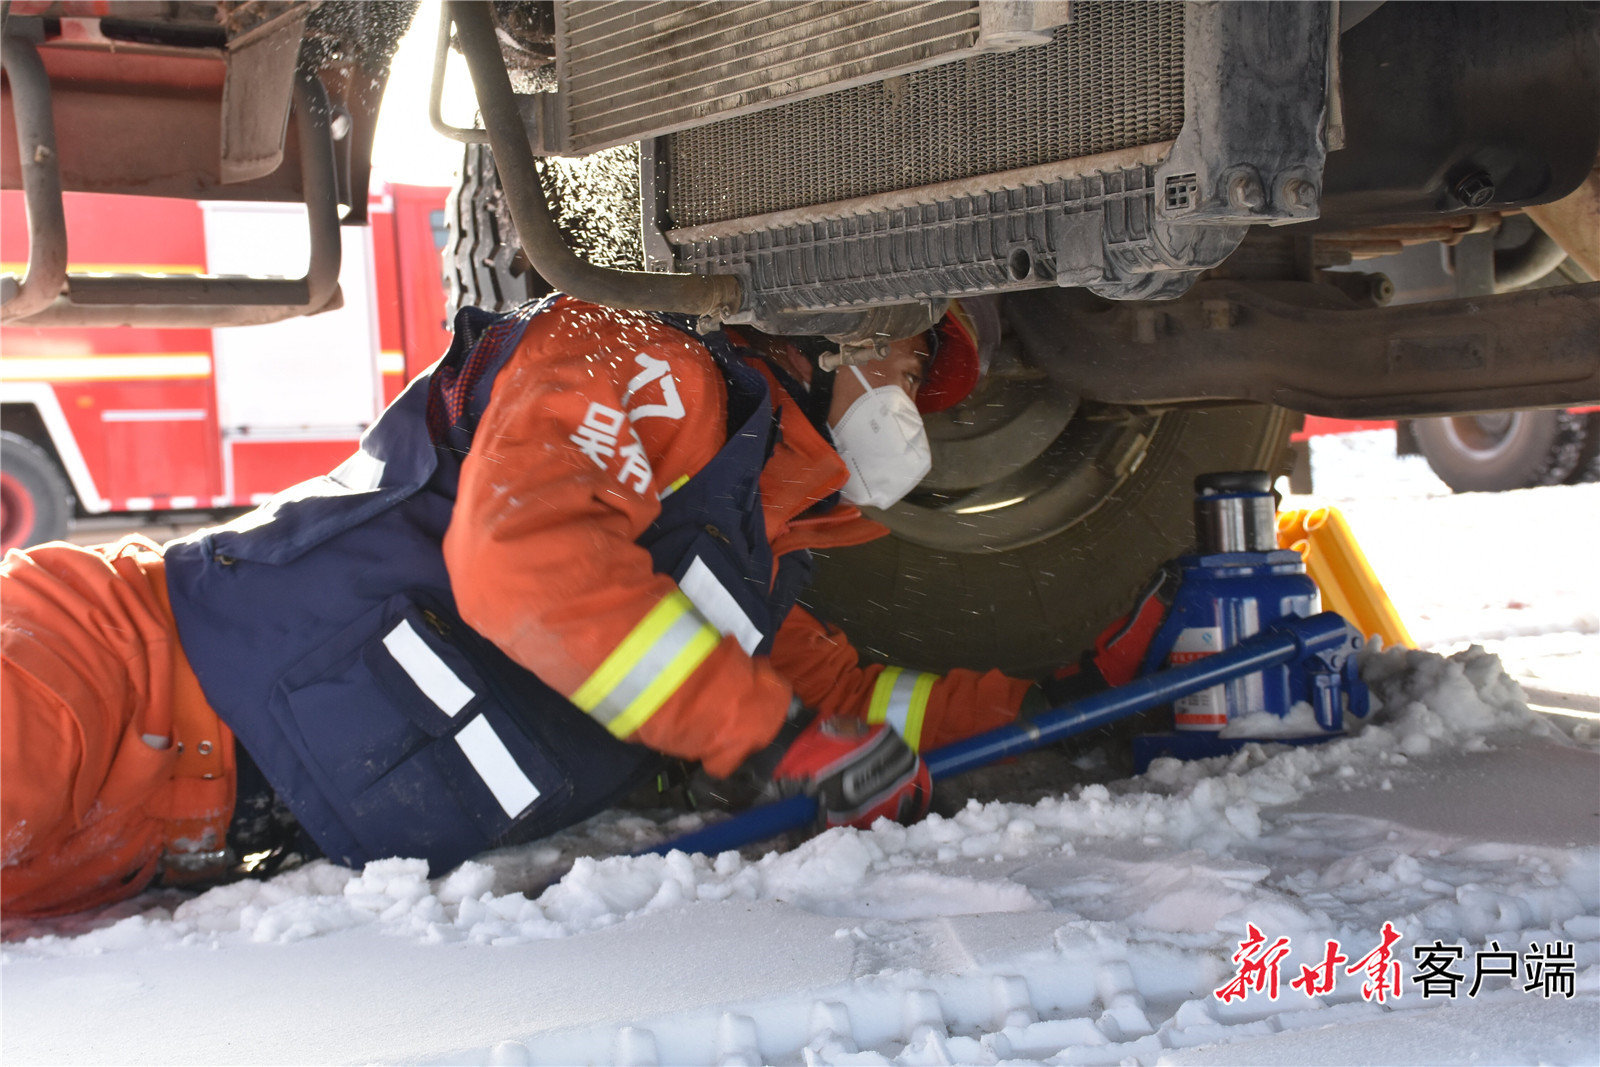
[1171, 204]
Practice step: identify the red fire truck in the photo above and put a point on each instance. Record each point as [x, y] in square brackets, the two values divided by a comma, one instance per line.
[136, 420]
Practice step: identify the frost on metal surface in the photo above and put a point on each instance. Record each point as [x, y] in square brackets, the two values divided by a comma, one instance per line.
[367, 33]
[596, 201]
[1111, 79]
[636, 70]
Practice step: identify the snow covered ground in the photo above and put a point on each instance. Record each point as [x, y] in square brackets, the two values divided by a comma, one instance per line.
[1514, 572]
[1096, 926]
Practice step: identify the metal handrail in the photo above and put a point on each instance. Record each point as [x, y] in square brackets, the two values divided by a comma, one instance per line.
[161, 300]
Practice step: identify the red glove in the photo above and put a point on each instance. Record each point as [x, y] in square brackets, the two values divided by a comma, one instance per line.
[858, 773]
[1118, 652]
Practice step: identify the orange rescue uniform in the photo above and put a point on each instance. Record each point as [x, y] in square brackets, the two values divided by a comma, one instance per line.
[543, 560]
[111, 761]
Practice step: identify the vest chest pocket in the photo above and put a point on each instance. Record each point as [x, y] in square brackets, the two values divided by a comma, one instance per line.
[730, 601]
[412, 745]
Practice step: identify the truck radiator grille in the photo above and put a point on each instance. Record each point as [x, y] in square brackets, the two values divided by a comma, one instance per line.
[632, 70]
[1111, 79]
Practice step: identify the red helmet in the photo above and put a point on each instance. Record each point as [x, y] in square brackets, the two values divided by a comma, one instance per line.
[961, 344]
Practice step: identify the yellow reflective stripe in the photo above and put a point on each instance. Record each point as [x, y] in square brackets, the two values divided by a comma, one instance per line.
[882, 690]
[674, 487]
[648, 665]
[918, 710]
[106, 367]
[666, 683]
[629, 651]
[114, 268]
[901, 700]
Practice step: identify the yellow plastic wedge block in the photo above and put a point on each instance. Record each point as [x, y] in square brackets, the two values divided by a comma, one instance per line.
[1345, 578]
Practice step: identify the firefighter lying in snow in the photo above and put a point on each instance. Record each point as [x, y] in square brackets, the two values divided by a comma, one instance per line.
[572, 548]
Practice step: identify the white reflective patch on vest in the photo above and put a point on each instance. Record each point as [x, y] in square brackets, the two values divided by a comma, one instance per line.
[718, 606]
[497, 766]
[433, 675]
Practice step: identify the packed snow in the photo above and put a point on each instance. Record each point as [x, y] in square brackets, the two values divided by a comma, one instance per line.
[1118, 920]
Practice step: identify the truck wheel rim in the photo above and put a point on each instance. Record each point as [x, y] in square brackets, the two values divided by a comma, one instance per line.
[1026, 494]
[17, 512]
[1484, 436]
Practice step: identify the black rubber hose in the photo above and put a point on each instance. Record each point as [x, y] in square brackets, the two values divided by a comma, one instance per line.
[693, 294]
[1527, 262]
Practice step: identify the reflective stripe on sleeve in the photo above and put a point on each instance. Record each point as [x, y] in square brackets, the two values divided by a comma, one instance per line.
[900, 698]
[648, 666]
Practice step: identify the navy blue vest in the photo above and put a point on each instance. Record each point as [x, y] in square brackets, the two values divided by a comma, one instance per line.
[322, 627]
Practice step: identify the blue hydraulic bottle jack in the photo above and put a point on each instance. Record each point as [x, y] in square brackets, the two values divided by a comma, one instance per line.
[1237, 584]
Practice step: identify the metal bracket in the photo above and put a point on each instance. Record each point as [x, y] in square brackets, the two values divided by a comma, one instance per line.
[658, 251]
[46, 272]
[47, 295]
[1007, 24]
[530, 105]
[441, 58]
[1255, 88]
[256, 94]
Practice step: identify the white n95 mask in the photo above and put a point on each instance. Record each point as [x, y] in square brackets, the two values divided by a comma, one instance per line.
[882, 441]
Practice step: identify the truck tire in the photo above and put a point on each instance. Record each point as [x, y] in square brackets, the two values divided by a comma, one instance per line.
[483, 258]
[35, 499]
[1503, 450]
[1031, 604]
[595, 202]
[1588, 466]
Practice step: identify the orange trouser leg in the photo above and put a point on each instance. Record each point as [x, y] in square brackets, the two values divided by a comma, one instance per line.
[88, 654]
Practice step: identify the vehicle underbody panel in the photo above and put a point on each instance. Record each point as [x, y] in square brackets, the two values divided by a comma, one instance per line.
[1304, 347]
[843, 169]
